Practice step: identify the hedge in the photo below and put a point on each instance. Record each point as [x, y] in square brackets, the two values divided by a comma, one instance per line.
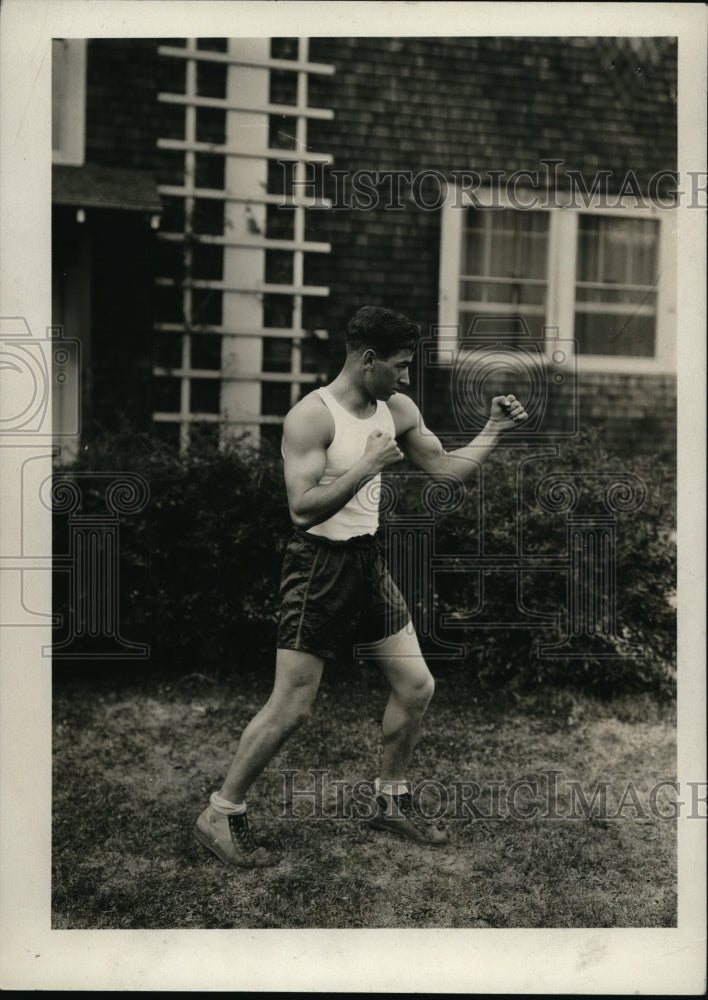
[200, 564]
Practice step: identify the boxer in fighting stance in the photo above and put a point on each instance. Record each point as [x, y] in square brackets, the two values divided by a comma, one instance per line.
[335, 584]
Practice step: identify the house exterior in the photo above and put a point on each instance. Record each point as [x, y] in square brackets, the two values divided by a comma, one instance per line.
[223, 206]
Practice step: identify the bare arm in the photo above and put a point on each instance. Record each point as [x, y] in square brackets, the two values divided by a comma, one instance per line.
[306, 436]
[425, 450]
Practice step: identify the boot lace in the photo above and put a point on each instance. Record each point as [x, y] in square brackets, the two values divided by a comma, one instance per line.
[238, 825]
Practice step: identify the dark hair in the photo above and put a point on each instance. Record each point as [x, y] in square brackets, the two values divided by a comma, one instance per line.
[382, 330]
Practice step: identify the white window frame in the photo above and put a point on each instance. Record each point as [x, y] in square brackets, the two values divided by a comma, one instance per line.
[561, 270]
[71, 109]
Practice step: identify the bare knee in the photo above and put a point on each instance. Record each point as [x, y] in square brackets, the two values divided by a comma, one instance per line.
[427, 689]
[297, 678]
[292, 712]
[296, 716]
[417, 694]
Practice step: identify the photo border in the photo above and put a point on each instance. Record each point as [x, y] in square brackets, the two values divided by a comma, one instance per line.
[621, 960]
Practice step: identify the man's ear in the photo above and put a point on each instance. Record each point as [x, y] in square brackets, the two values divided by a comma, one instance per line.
[369, 357]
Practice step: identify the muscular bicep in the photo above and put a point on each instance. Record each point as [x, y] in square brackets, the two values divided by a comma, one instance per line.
[304, 460]
[423, 449]
[420, 446]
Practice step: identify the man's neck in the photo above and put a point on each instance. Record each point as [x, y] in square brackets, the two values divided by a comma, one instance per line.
[350, 394]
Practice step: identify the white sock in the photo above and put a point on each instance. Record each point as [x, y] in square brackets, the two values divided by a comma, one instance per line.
[226, 807]
[391, 788]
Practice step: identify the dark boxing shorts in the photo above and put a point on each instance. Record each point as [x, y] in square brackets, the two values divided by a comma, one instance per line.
[335, 593]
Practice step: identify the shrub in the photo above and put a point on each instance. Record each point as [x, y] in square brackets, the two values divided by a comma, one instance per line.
[200, 564]
[515, 521]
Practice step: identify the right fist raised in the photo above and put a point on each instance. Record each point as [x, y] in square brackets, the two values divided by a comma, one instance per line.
[381, 450]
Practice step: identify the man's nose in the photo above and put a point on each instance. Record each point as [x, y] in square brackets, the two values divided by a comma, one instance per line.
[403, 379]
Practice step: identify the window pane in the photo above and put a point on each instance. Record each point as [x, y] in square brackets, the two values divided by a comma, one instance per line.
[615, 307]
[506, 291]
[615, 334]
[505, 243]
[617, 251]
[509, 249]
[625, 296]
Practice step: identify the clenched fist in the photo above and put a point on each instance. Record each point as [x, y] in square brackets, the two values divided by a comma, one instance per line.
[381, 450]
[507, 412]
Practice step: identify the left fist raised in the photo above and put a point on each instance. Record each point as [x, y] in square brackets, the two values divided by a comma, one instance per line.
[507, 412]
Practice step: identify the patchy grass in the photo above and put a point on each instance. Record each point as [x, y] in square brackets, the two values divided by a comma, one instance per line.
[134, 762]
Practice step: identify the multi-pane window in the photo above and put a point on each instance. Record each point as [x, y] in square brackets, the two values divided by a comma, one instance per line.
[601, 279]
[615, 288]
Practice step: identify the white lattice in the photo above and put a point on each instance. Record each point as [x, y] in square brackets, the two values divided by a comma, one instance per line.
[244, 241]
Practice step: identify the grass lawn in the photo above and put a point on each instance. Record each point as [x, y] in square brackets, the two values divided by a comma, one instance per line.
[134, 762]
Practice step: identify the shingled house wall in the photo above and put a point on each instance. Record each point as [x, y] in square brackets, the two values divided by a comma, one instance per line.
[434, 104]
[123, 116]
[488, 104]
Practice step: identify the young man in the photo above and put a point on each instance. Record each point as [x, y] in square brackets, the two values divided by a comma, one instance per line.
[335, 585]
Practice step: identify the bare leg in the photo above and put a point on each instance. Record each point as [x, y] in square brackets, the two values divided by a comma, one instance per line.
[412, 687]
[297, 677]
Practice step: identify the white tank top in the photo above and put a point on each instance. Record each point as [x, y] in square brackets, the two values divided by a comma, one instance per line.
[360, 516]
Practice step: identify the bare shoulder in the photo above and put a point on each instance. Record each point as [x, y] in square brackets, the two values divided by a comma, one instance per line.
[308, 424]
[405, 413]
